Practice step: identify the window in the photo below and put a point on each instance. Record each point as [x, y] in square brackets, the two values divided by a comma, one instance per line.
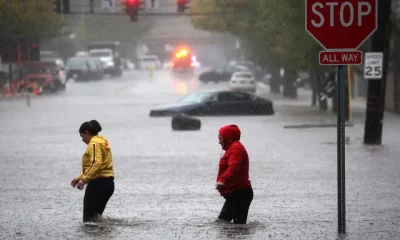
[244, 75]
[98, 53]
[76, 64]
[196, 98]
[234, 97]
[149, 59]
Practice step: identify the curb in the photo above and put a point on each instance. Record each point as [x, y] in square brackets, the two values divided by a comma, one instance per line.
[16, 96]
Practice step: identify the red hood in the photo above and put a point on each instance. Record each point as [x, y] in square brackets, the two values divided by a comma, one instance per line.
[229, 134]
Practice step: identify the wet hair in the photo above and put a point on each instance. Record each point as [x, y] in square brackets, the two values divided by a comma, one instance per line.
[93, 127]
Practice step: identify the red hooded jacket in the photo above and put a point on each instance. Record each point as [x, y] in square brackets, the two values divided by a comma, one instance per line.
[234, 164]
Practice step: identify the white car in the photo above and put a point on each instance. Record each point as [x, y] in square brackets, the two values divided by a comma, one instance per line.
[243, 81]
[149, 61]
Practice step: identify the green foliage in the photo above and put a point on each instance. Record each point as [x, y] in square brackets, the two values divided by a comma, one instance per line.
[272, 29]
[29, 18]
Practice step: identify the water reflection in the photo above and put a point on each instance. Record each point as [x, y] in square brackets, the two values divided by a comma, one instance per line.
[236, 231]
[183, 86]
[100, 229]
[107, 227]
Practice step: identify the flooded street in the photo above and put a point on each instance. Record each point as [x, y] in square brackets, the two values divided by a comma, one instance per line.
[165, 180]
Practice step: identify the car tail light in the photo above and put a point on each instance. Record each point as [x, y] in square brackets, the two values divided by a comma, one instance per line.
[192, 64]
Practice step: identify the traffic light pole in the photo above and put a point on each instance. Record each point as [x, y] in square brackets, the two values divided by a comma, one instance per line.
[377, 87]
[341, 194]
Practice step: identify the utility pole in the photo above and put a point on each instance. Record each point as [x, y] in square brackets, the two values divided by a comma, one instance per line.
[377, 87]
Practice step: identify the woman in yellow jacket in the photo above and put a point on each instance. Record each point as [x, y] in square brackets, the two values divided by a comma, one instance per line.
[97, 171]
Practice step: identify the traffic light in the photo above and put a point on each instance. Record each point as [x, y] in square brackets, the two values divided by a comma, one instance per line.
[182, 5]
[34, 49]
[132, 9]
[57, 6]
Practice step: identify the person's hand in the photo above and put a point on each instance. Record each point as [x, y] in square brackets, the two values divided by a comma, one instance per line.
[80, 185]
[74, 182]
[219, 185]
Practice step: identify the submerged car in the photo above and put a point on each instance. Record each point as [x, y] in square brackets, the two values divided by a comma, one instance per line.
[217, 103]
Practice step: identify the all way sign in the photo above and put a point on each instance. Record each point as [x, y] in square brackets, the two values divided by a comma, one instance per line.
[340, 58]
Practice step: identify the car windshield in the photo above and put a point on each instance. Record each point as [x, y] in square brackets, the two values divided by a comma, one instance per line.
[35, 69]
[49, 54]
[196, 97]
[243, 75]
[100, 54]
[76, 64]
[149, 59]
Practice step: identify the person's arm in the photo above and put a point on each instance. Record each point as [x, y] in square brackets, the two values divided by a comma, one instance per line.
[235, 158]
[96, 162]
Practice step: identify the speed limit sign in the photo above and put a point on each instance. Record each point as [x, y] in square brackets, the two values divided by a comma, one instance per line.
[373, 65]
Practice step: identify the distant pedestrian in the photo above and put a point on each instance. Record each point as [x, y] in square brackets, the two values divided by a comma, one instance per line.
[97, 171]
[233, 177]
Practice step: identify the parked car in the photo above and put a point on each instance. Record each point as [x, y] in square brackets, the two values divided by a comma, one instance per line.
[216, 103]
[243, 81]
[303, 80]
[52, 56]
[59, 72]
[81, 68]
[42, 74]
[97, 66]
[223, 74]
[149, 61]
[81, 54]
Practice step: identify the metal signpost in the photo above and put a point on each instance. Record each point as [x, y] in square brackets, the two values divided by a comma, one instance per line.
[341, 27]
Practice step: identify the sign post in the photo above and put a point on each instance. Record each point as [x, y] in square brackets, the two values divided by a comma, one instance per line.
[341, 27]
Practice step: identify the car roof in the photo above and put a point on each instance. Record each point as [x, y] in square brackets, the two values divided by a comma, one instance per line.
[78, 58]
[221, 91]
[243, 72]
[100, 50]
[149, 56]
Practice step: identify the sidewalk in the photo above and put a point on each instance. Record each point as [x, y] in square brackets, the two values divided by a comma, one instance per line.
[301, 107]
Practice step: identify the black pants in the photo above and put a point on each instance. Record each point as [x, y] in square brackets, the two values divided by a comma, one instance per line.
[97, 194]
[237, 206]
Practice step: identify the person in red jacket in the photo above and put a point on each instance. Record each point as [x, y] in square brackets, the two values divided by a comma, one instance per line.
[233, 177]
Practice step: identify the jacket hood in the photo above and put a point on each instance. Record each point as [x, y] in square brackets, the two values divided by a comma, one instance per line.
[230, 133]
[100, 140]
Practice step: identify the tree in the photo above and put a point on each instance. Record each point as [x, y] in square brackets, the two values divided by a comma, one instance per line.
[29, 18]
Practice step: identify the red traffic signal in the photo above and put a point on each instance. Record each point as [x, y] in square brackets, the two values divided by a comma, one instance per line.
[182, 5]
[132, 3]
[132, 9]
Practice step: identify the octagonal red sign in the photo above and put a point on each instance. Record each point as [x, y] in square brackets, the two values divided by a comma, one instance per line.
[341, 24]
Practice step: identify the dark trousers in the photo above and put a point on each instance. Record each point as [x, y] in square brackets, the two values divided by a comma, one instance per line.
[237, 206]
[97, 194]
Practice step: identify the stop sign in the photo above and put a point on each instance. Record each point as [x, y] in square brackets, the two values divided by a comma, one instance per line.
[341, 24]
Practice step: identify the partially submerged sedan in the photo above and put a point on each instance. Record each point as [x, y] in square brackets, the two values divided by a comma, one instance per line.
[217, 103]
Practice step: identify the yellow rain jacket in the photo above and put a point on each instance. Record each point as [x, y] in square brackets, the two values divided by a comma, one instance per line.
[97, 160]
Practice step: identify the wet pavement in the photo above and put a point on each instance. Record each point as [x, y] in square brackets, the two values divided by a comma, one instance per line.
[165, 179]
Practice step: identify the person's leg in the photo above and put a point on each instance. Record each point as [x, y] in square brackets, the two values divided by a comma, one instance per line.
[105, 191]
[227, 211]
[90, 201]
[243, 199]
